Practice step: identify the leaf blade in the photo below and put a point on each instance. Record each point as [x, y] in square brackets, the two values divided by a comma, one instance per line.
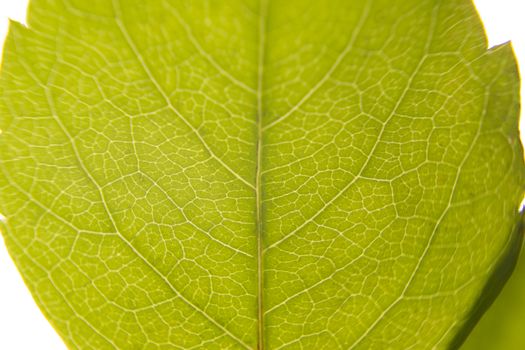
[179, 189]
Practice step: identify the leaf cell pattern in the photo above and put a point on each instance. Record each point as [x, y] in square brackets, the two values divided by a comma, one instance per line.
[258, 174]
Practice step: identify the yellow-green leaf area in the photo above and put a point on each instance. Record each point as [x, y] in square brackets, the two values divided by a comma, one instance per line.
[259, 174]
[502, 326]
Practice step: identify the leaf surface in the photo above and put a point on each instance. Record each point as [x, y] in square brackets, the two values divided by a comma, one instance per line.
[258, 174]
[502, 326]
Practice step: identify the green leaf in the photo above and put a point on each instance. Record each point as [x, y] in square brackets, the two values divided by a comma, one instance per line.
[259, 174]
[502, 326]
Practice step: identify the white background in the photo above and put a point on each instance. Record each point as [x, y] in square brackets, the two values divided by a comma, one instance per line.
[23, 327]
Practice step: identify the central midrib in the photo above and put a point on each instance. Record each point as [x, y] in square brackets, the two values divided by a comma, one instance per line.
[263, 8]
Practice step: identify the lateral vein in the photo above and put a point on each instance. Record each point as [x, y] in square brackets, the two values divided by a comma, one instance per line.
[129, 41]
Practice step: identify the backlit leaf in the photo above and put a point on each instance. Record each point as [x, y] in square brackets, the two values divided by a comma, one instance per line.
[263, 174]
